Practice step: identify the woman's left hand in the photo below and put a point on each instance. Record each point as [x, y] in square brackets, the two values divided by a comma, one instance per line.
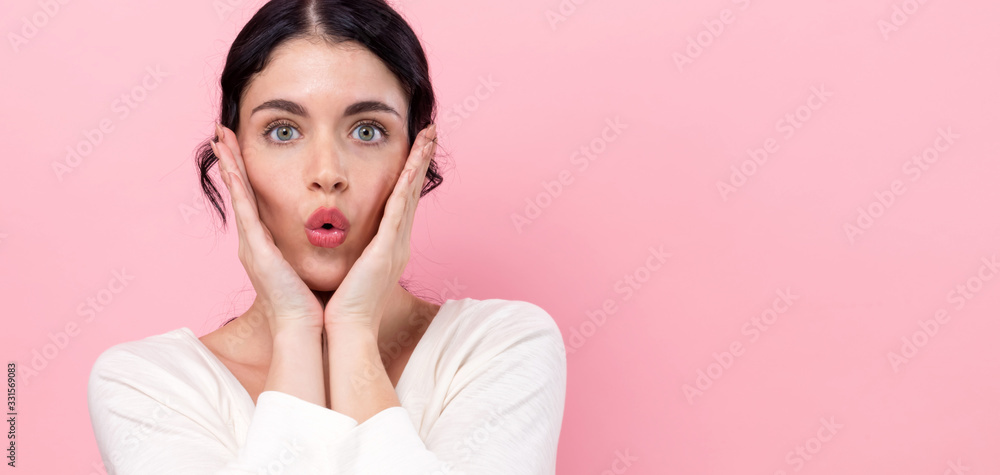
[362, 296]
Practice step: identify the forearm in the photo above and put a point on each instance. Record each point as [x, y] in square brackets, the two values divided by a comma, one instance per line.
[359, 386]
[297, 365]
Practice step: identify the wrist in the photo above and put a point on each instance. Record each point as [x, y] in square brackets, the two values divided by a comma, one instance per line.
[351, 337]
[351, 328]
[296, 365]
[295, 333]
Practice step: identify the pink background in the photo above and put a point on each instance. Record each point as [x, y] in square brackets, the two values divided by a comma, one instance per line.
[835, 353]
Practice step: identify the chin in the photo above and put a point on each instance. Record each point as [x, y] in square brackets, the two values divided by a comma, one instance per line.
[321, 273]
[324, 283]
[323, 280]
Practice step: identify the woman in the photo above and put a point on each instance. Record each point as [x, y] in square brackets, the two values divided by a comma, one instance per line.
[335, 368]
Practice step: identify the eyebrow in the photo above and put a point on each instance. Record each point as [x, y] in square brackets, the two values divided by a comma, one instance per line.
[353, 109]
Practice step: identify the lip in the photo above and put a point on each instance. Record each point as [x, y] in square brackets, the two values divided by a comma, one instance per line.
[321, 236]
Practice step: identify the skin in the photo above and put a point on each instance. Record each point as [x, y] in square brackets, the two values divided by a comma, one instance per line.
[329, 159]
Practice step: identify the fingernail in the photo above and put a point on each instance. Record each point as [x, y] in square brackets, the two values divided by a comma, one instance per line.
[218, 132]
[433, 130]
[215, 149]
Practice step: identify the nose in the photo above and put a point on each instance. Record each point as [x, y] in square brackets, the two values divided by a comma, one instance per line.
[326, 171]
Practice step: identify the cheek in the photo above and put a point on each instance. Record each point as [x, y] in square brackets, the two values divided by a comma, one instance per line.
[387, 184]
[254, 159]
[376, 196]
[267, 183]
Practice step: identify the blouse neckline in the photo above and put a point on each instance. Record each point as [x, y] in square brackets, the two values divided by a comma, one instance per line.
[402, 385]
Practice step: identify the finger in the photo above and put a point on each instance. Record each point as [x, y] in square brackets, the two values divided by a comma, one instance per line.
[227, 178]
[229, 164]
[421, 172]
[407, 176]
[226, 163]
[406, 220]
[403, 204]
[247, 221]
[251, 231]
[418, 153]
[228, 137]
[396, 206]
[413, 199]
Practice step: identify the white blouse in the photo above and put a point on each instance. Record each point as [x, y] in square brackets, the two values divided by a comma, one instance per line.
[482, 393]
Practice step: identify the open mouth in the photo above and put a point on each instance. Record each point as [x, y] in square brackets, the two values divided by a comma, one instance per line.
[327, 227]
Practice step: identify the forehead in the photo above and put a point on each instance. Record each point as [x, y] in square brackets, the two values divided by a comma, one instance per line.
[324, 77]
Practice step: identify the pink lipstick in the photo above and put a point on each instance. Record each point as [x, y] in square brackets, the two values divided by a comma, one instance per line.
[327, 227]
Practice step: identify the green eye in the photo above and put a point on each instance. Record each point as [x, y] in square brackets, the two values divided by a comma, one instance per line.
[367, 132]
[284, 133]
[281, 132]
[371, 133]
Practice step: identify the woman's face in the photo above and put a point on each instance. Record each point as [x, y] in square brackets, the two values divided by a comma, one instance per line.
[305, 148]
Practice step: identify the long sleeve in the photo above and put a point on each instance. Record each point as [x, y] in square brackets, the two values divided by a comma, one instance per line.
[143, 430]
[497, 408]
[502, 415]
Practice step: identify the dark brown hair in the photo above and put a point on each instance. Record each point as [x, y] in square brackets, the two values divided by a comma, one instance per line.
[372, 23]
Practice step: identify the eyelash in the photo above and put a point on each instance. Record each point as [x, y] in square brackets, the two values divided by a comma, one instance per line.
[284, 123]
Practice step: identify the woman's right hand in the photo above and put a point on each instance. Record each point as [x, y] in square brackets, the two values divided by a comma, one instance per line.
[285, 298]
